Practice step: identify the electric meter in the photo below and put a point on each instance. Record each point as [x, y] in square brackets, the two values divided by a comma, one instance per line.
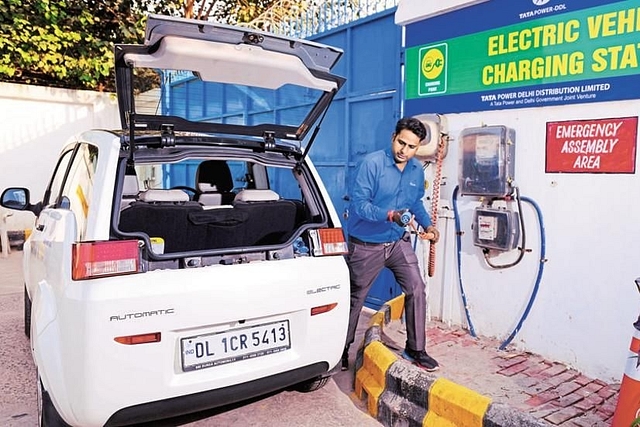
[495, 228]
[486, 161]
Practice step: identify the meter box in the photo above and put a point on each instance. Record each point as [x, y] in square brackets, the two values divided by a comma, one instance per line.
[496, 228]
[487, 161]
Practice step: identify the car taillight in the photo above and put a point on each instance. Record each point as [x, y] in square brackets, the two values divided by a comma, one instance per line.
[139, 339]
[323, 308]
[328, 241]
[101, 259]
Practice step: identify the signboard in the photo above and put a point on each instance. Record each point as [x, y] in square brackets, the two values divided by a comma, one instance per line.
[593, 146]
[523, 53]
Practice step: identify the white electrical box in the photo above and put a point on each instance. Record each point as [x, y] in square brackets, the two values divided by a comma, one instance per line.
[436, 126]
[496, 228]
[487, 161]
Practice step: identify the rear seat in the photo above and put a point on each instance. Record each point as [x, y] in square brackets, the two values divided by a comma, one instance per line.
[270, 220]
[257, 217]
[223, 227]
[164, 214]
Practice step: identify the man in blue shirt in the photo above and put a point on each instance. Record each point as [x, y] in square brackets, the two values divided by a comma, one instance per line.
[387, 191]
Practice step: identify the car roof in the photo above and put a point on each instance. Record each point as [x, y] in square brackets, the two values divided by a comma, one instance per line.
[255, 63]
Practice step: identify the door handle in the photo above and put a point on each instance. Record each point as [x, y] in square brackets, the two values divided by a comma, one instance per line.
[40, 227]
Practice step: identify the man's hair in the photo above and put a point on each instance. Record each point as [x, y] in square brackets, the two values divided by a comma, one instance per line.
[412, 124]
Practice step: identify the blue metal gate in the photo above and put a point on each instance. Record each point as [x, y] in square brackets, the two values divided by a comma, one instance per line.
[360, 120]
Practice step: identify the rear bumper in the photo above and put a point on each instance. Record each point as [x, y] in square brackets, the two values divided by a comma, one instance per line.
[197, 402]
[120, 383]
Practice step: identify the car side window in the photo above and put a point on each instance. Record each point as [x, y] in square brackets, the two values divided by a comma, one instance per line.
[78, 187]
[55, 185]
[280, 181]
[239, 173]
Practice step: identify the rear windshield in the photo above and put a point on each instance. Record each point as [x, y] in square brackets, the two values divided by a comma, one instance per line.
[183, 94]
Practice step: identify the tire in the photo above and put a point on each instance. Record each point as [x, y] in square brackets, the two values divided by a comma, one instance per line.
[47, 414]
[311, 385]
[27, 313]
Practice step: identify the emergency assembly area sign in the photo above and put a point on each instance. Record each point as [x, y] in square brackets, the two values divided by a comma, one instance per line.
[523, 53]
[593, 146]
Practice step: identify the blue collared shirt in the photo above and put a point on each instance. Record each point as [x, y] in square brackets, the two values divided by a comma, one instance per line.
[380, 187]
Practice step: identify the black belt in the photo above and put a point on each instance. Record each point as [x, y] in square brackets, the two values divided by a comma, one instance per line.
[360, 242]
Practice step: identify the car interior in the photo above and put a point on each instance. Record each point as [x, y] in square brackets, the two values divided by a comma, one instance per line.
[214, 183]
[215, 217]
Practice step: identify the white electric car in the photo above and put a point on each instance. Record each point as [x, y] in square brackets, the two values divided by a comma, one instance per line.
[193, 259]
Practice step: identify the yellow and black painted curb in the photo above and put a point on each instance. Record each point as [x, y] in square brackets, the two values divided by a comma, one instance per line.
[401, 394]
[17, 237]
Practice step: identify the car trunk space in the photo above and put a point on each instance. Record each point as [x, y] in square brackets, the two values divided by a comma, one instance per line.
[188, 226]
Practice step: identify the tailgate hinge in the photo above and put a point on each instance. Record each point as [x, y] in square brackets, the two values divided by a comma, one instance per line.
[167, 136]
[268, 140]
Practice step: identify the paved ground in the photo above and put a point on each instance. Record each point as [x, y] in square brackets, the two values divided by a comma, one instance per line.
[547, 390]
[18, 379]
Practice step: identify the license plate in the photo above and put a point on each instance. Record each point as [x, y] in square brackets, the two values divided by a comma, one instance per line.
[205, 351]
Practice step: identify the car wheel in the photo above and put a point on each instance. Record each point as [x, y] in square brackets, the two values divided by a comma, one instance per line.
[311, 385]
[27, 313]
[47, 414]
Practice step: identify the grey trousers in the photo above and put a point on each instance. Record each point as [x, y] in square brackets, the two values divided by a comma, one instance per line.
[366, 262]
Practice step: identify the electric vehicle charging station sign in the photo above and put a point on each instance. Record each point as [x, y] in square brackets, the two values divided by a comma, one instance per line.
[592, 146]
[520, 54]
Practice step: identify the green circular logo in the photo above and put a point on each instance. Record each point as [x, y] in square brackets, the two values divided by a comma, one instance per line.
[432, 64]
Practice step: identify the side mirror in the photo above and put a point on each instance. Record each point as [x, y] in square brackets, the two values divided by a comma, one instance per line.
[15, 198]
[18, 198]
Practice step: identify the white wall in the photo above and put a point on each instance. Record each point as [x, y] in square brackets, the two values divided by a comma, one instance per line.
[587, 299]
[37, 122]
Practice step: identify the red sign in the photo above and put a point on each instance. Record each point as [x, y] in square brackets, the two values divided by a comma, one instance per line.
[593, 146]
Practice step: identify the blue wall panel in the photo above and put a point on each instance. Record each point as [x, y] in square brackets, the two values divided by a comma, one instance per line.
[376, 58]
[331, 144]
[195, 100]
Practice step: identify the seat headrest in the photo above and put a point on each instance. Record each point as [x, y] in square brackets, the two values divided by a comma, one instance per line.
[250, 195]
[158, 195]
[214, 175]
[210, 199]
[130, 186]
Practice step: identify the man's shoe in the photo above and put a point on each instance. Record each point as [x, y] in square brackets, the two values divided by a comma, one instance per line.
[421, 359]
[345, 359]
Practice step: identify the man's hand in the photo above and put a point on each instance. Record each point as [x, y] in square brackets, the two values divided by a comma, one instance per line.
[436, 234]
[402, 217]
